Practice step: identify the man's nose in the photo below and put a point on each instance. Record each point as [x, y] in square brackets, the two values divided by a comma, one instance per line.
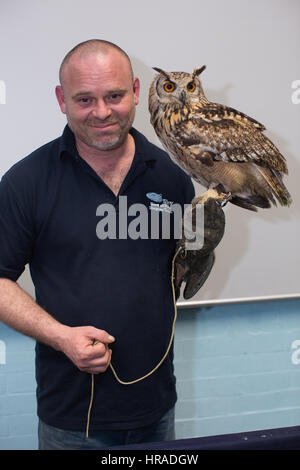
[101, 110]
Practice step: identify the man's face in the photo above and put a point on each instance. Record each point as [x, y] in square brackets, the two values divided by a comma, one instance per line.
[99, 97]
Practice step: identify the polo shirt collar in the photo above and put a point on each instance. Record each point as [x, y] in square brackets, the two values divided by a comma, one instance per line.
[67, 142]
[142, 151]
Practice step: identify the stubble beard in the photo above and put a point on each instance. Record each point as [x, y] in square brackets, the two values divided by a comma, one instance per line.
[105, 142]
[110, 144]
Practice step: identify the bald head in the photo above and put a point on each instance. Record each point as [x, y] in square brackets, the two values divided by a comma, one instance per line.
[96, 47]
[98, 94]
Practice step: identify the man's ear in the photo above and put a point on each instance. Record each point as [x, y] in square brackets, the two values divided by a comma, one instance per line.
[60, 98]
[136, 90]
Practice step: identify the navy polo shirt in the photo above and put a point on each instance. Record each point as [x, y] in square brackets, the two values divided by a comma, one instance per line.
[50, 210]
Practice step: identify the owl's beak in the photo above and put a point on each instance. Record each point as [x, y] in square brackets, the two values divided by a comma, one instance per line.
[182, 97]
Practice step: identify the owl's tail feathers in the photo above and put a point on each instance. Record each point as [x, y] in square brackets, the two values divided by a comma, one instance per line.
[274, 180]
[270, 189]
[251, 202]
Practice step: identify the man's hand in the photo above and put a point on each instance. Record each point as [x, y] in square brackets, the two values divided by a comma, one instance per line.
[87, 347]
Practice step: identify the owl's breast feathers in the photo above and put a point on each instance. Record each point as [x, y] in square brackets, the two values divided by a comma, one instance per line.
[166, 120]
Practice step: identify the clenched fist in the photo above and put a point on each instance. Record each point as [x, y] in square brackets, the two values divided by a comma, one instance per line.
[88, 348]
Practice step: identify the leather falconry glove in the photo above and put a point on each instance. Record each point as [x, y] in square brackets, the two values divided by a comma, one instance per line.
[193, 266]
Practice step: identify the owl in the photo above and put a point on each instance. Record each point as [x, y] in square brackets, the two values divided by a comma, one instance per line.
[219, 147]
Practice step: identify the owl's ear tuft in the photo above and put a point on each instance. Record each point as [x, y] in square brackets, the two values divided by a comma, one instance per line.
[199, 70]
[162, 72]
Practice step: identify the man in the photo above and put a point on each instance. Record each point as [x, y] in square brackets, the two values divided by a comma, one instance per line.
[98, 299]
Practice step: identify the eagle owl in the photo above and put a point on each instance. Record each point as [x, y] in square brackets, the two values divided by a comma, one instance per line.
[221, 148]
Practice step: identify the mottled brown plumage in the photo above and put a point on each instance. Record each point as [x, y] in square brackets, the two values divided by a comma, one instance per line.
[216, 145]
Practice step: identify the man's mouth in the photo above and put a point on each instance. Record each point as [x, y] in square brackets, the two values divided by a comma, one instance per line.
[103, 126]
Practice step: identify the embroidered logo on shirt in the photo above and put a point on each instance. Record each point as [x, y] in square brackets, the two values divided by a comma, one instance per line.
[158, 203]
[154, 197]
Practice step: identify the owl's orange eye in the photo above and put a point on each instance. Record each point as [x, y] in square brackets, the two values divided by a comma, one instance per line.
[169, 87]
[191, 86]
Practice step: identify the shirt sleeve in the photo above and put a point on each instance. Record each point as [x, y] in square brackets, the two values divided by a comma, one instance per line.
[189, 189]
[16, 228]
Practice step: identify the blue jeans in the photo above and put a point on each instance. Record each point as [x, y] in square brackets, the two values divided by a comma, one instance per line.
[51, 438]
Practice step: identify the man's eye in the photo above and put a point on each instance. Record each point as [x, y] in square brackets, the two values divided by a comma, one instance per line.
[115, 97]
[84, 100]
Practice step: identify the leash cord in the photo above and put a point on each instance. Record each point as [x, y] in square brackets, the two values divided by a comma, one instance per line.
[156, 367]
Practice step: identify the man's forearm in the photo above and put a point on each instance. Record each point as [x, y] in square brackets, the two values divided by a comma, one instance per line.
[19, 311]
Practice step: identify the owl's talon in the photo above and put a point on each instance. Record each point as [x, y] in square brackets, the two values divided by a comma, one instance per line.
[225, 199]
[210, 193]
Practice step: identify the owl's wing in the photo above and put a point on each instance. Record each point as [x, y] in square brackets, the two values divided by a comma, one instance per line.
[229, 136]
